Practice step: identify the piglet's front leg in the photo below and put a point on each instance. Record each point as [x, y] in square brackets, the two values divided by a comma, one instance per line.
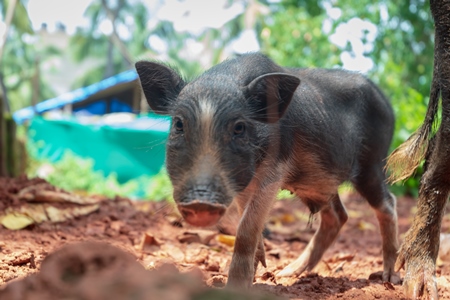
[249, 247]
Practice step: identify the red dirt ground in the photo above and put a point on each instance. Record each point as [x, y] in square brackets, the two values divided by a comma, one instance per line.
[146, 235]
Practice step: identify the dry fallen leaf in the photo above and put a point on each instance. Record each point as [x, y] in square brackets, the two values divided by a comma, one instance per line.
[354, 214]
[196, 255]
[341, 257]
[274, 252]
[339, 267]
[302, 216]
[21, 217]
[58, 215]
[226, 239]
[52, 196]
[149, 262]
[170, 250]
[196, 236]
[363, 225]
[34, 211]
[269, 276]
[143, 206]
[16, 221]
[149, 243]
[287, 218]
[45, 193]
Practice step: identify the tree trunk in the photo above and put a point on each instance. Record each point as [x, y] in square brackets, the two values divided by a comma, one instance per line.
[109, 71]
[3, 171]
[3, 150]
[114, 37]
[3, 96]
[35, 84]
[11, 147]
[8, 20]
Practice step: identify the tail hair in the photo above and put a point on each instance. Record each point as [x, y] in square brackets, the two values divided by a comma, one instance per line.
[404, 160]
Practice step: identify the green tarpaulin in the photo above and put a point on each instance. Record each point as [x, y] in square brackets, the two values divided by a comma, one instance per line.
[130, 150]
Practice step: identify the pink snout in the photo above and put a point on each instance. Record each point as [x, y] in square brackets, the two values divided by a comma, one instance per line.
[200, 213]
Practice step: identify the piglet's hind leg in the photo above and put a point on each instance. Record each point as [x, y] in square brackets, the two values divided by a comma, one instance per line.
[332, 218]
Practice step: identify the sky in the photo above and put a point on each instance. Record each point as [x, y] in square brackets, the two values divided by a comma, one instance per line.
[69, 13]
[189, 15]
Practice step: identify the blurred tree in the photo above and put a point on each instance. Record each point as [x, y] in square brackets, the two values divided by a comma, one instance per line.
[18, 68]
[293, 36]
[216, 42]
[174, 43]
[120, 30]
[19, 62]
[402, 55]
[4, 102]
[117, 29]
[298, 33]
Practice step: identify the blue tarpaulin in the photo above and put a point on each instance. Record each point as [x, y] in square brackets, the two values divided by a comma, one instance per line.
[74, 96]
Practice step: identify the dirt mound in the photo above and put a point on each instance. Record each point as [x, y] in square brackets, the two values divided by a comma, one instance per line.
[93, 271]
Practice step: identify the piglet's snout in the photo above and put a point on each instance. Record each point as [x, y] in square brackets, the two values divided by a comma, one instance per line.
[201, 213]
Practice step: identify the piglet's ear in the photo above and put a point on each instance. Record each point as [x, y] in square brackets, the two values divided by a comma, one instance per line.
[269, 95]
[160, 84]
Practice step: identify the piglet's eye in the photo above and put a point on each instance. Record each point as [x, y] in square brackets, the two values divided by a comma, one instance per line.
[239, 128]
[178, 124]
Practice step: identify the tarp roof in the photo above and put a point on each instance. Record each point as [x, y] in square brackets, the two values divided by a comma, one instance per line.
[77, 95]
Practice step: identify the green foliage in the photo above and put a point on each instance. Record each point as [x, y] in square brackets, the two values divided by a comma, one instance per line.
[91, 42]
[402, 52]
[159, 187]
[19, 67]
[77, 174]
[285, 194]
[293, 37]
[410, 186]
[403, 57]
[405, 39]
[21, 21]
[19, 63]
[73, 173]
[409, 109]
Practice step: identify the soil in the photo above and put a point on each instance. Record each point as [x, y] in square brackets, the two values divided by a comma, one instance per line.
[143, 250]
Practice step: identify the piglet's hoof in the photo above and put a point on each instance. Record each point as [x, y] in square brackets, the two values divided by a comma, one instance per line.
[391, 277]
[420, 279]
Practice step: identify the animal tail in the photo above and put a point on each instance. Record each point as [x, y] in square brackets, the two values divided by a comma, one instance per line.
[404, 160]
